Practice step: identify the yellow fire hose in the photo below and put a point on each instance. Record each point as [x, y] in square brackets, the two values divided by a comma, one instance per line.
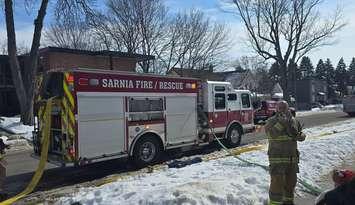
[42, 163]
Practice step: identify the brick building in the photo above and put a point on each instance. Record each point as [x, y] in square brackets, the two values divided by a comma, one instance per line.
[53, 58]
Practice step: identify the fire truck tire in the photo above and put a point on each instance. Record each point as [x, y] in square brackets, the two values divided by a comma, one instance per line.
[234, 136]
[146, 151]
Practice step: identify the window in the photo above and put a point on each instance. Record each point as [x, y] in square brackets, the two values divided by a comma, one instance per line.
[245, 100]
[145, 104]
[232, 97]
[219, 88]
[142, 109]
[220, 101]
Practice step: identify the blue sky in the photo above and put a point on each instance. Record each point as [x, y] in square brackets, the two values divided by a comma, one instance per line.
[345, 46]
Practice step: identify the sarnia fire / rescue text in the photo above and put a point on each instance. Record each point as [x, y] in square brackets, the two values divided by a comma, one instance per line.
[142, 84]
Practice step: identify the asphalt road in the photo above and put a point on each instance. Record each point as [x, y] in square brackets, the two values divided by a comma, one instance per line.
[21, 165]
[308, 121]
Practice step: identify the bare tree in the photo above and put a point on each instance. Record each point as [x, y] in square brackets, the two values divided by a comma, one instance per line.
[184, 30]
[193, 42]
[286, 30]
[25, 83]
[211, 41]
[74, 33]
[211, 48]
[188, 39]
[249, 63]
[3, 47]
[22, 48]
[134, 26]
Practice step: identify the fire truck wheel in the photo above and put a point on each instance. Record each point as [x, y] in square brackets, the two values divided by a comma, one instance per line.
[146, 151]
[234, 136]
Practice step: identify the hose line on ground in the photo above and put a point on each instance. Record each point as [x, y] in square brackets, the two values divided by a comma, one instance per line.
[309, 188]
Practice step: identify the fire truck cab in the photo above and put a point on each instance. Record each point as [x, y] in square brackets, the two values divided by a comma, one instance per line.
[229, 111]
[99, 115]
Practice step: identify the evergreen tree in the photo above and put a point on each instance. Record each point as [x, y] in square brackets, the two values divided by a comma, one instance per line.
[306, 67]
[320, 73]
[329, 72]
[341, 76]
[330, 78]
[352, 72]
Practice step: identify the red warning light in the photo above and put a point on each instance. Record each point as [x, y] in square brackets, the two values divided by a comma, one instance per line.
[70, 78]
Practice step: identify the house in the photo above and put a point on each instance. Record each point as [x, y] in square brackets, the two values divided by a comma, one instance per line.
[310, 92]
[239, 80]
[53, 58]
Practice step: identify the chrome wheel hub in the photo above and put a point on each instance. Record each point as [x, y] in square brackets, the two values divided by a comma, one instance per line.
[147, 151]
[234, 136]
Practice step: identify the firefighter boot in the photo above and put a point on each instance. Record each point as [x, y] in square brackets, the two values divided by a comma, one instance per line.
[276, 189]
[289, 187]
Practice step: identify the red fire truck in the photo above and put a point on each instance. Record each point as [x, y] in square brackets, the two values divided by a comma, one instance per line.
[99, 115]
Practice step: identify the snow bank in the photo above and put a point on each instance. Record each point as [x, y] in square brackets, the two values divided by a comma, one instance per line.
[225, 180]
[327, 108]
[14, 125]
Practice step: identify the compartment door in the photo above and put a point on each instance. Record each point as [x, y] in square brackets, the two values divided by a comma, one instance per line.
[101, 125]
[181, 119]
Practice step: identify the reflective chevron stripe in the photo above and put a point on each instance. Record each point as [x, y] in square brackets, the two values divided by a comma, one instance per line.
[68, 117]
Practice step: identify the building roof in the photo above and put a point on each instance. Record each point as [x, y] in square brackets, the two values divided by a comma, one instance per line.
[237, 78]
[206, 74]
[193, 73]
[138, 57]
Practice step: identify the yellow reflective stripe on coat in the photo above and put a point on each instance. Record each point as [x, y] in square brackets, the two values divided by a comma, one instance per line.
[280, 138]
[271, 202]
[288, 199]
[279, 126]
[42, 163]
[283, 159]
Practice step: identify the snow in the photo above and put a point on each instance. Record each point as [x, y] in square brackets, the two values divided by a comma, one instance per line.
[14, 125]
[224, 180]
[325, 109]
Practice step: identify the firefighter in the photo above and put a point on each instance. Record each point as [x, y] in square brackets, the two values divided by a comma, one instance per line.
[344, 191]
[3, 146]
[283, 132]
